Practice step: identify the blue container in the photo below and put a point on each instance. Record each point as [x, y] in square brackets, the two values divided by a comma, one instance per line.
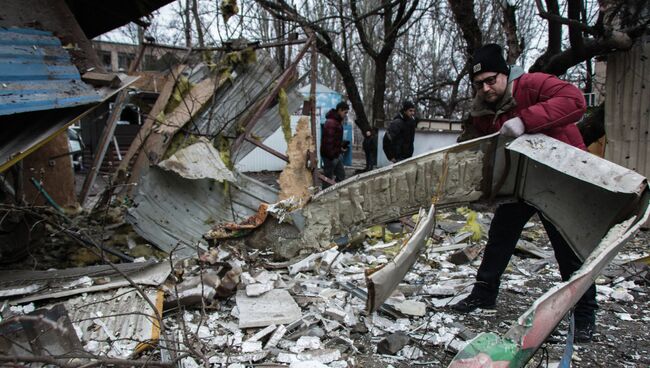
[347, 135]
[326, 99]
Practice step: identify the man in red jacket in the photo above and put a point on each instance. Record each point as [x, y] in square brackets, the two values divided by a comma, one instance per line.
[331, 146]
[514, 103]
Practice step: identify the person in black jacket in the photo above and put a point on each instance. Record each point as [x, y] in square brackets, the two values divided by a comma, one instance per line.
[398, 140]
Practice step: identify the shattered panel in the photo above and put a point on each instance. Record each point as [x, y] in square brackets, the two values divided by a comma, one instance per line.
[530, 331]
[401, 189]
[39, 285]
[198, 161]
[382, 283]
[173, 212]
[249, 86]
[572, 187]
[116, 324]
[42, 332]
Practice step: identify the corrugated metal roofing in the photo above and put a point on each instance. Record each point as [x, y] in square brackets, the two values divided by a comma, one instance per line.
[36, 73]
[627, 108]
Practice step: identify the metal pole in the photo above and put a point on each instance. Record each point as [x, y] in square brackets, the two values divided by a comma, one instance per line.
[267, 148]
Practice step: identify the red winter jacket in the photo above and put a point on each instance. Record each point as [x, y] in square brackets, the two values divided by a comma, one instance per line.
[545, 104]
[331, 144]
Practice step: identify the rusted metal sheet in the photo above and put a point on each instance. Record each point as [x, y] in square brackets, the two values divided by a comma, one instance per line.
[627, 107]
[36, 74]
[51, 168]
[382, 282]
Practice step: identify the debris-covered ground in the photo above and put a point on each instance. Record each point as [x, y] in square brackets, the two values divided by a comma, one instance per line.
[236, 306]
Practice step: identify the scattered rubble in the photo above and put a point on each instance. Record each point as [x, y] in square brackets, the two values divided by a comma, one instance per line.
[308, 319]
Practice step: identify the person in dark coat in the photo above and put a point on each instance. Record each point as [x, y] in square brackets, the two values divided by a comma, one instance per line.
[370, 149]
[332, 144]
[398, 140]
[513, 103]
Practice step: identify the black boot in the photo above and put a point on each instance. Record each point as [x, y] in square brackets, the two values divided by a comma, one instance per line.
[472, 303]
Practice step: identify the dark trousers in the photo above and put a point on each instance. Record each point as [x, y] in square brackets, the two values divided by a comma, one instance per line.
[507, 225]
[370, 149]
[333, 169]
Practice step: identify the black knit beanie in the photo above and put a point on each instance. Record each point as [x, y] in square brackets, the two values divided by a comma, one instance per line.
[489, 58]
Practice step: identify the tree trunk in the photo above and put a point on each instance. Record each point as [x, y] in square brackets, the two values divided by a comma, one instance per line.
[187, 24]
[378, 112]
[197, 20]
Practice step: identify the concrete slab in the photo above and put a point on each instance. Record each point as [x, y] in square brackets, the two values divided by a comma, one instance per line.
[275, 307]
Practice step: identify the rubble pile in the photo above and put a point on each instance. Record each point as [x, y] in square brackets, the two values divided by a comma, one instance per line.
[233, 307]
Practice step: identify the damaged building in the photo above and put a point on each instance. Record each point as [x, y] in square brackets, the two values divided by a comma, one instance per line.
[172, 257]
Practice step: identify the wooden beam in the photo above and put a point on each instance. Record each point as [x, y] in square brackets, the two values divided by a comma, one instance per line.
[160, 135]
[105, 140]
[147, 127]
[111, 80]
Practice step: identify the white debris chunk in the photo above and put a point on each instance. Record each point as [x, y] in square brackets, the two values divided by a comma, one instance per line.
[306, 343]
[247, 357]
[204, 332]
[22, 309]
[411, 352]
[329, 256]
[261, 333]
[275, 338]
[324, 356]
[339, 364]
[336, 313]
[441, 303]
[307, 364]
[624, 317]
[287, 358]
[259, 289]
[251, 346]
[306, 264]
[412, 308]
[622, 294]
[84, 281]
[247, 279]
[275, 307]
[266, 277]
[188, 362]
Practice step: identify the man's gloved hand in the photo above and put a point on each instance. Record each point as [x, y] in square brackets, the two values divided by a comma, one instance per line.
[513, 128]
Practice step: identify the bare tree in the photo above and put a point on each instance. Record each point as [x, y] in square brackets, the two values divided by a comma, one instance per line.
[391, 20]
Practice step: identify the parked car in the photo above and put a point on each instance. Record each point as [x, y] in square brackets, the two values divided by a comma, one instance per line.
[76, 147]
